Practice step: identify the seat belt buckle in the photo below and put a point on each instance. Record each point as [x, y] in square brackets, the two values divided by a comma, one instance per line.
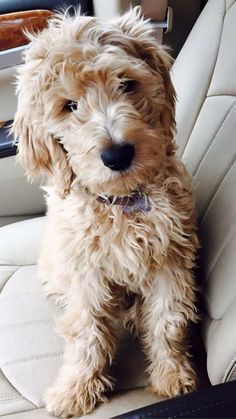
[166, 24]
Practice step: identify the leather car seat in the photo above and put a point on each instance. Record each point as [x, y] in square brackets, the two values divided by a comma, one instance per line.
[30, 350]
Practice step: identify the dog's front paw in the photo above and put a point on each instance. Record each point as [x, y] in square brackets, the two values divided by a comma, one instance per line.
[74, 399]
[174, 381]
[60, 402]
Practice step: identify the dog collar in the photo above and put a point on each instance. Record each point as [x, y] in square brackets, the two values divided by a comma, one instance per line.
[136, 202]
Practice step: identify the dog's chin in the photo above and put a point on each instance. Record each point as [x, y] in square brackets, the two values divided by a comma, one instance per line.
[110, 188]
[123, 184]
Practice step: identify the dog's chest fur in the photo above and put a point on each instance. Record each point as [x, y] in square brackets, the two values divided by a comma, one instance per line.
[127, 248]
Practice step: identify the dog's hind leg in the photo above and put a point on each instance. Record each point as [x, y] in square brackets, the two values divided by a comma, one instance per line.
[167, 310]
[87, 326]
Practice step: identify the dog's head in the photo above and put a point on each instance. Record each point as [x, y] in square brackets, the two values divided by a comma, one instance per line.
[96, 104]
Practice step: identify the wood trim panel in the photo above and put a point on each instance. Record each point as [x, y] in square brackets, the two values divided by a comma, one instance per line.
[12, 25]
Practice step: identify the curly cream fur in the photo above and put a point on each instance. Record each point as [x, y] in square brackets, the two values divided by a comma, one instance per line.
[94, 256]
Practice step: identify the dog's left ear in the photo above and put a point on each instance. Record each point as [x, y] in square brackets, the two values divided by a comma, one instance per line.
[139, 32]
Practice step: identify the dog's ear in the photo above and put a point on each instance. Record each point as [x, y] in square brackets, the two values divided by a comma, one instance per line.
[139, 32]
[160, 62]
[39, 152]
[133, 24]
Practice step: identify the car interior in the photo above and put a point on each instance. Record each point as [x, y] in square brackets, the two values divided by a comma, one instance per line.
[202, 37]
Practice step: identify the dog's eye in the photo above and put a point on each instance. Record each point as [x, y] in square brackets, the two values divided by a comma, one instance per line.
[71, 106]
[128, 86]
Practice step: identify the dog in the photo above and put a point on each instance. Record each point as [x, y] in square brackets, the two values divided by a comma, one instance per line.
[96, 114]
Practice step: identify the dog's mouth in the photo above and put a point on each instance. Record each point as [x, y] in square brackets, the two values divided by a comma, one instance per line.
[124, 187]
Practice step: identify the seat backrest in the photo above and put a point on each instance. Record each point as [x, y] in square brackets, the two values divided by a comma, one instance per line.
[204, 76]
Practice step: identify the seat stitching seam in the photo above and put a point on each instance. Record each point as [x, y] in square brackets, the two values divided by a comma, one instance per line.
[19, 293]
[11, 276]
[25, 410]
[220, 95]
[222, 247]
[19, 266]
[216, 189]
[32, 358]
[230, 6]
[215, 193]
[10, 398]
[25, 323]
[15, 388]
[14, 385]
[213, 138]
[14, 401]
[228, 370]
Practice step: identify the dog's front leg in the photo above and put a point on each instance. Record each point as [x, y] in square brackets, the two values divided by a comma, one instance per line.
[88, 329]
[167, 309]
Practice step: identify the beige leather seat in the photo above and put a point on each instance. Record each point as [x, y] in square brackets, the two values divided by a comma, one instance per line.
[30, 350]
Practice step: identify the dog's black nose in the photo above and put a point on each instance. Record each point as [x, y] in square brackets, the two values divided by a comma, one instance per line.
[118, 157]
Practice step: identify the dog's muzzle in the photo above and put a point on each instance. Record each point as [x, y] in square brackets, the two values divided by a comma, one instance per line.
[118, 157]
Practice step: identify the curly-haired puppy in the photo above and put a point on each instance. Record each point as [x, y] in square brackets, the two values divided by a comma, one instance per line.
[96, 114]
